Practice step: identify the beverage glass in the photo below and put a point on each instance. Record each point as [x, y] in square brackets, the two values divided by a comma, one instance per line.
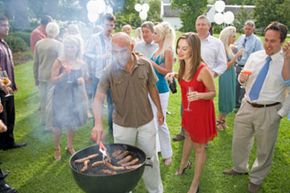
[5, 80]
[190, 89]
[246, 72]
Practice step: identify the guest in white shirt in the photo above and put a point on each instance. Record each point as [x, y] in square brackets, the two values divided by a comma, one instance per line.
[212, 49]
[147, 46]
[262, 108]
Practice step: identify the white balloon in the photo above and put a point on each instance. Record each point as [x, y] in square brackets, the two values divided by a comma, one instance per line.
[92, 6]
[145, 7]
[219, 6]
[229, 17]
[143, 15]
[218, 18]
[138, 7]
[93, 17]
[101, 6]
[109, 9]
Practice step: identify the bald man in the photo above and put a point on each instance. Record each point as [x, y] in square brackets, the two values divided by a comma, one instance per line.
[131, 79]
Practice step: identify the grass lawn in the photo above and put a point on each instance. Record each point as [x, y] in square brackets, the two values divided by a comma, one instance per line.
[33, 169]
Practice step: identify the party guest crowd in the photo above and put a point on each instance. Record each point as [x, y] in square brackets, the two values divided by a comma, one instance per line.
[133, 76]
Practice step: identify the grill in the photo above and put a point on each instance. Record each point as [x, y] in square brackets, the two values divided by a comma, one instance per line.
[93, 180]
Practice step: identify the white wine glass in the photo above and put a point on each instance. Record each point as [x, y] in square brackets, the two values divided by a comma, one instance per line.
[190, 89]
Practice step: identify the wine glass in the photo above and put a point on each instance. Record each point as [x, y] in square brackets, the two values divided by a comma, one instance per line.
[246, 72]
[5, 80]
[190, 89]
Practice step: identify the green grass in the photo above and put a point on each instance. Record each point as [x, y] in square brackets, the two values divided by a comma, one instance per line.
[33, 170]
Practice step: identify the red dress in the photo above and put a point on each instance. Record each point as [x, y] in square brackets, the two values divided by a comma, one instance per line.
[200, 122]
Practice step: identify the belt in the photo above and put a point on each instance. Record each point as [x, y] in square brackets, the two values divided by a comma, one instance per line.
[255, 105]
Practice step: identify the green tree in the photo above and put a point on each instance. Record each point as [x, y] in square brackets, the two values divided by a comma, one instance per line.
[240, 2]
[273, 10]
[241, 17]
[128, 15]
[189, 11]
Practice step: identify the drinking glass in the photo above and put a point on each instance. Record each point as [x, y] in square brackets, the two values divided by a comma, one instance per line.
[5, 80]
[190, 89]
[247, 72]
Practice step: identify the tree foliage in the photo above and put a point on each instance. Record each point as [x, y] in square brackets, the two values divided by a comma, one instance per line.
[273, 10]
[190, 10]
[24, 12]
[240, 2]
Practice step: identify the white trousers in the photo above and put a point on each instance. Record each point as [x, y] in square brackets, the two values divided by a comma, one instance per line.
[163, 134]
[143, 137]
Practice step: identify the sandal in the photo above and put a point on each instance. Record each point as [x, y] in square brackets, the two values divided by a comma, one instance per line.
[180, 172]
[220, 125]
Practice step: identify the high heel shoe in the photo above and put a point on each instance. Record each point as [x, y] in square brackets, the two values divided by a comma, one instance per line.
[181, 172]
[57, 154]
[70, 150]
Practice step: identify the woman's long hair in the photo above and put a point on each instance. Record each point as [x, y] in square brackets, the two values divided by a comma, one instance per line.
[195, 46]
[225, 35]
[75, 40]
[167, 34]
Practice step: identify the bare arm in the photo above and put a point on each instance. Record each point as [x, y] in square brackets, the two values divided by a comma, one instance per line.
[286, 65]
[155, 98]
[97, 131]
[55, 71]
[168, 63]
[207, 78]
[235, 58]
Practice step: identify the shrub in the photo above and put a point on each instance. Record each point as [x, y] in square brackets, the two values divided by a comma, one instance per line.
[24, 35]
[16, 43]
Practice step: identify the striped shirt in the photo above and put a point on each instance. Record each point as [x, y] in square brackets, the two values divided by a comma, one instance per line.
[6, 62]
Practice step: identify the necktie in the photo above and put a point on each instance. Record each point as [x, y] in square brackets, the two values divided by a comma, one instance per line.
[256, 88]
[244, 43]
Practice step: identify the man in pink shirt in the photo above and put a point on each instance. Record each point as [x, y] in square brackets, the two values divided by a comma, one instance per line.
[39, 32]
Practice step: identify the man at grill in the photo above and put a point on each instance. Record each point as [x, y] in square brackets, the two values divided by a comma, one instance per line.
[131, 79]
[262, 108]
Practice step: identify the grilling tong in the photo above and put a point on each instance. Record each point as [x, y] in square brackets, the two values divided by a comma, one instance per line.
[103, 150]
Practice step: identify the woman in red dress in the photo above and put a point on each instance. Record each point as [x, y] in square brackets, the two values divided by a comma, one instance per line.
[198, 118]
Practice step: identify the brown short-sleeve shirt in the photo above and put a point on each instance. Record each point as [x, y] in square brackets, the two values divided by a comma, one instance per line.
[130, 92]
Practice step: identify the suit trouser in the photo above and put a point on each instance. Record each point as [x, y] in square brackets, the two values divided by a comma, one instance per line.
[8, 118]
[261, 124]
[143, 137]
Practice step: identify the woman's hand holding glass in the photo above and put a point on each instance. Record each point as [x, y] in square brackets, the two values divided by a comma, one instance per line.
[5, 83]
[191, 96]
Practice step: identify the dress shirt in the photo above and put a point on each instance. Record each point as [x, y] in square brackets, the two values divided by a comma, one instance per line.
[250, 44]
[214, 55]
[274, 88]
[130, 92]
[146, 49]
[98, 46]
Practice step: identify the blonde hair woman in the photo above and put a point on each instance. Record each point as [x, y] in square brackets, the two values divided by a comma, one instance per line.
[69, 99]
[227, 81]
[162, 61]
